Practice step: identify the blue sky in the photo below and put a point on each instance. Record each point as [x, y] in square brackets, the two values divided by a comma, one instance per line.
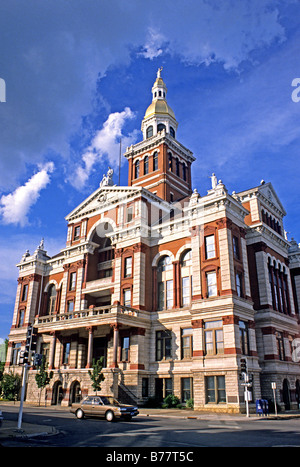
[78, 78]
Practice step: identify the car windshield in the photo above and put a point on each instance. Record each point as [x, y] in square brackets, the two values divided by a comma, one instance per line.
[109, 401]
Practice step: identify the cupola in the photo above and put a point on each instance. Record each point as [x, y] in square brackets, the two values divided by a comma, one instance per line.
[159, 116]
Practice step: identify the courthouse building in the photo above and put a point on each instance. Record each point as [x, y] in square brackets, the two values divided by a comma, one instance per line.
[174, 289]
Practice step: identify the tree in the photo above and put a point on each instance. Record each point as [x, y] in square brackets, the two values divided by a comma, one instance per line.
[96, 374]
[42, 377]
[10, 386]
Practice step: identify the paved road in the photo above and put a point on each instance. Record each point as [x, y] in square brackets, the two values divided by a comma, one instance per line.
[158, 432]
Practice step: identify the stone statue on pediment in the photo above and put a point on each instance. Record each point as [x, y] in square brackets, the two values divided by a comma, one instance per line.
[107, 179]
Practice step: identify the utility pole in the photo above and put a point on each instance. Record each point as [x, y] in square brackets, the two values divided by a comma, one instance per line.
[25, 355]
[246, 382]
[120, 162]
[273, 385]
[25, 368]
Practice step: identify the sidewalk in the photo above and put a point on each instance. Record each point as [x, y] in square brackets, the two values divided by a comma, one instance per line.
[28, 430]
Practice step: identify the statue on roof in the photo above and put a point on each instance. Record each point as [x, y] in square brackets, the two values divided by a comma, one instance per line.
[159, 72]
[107, 179]
[214, 181]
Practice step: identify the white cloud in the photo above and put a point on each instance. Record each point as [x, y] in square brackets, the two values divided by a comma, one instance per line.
[15, 206]
[62, 48]
[154, 44]
[106, 142]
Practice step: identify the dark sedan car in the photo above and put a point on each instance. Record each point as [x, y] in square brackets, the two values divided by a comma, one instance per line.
[103, 406]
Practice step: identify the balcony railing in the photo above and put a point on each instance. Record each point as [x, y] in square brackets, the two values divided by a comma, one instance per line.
[104, 311]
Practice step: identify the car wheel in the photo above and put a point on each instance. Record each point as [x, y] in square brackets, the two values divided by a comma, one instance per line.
[109, 416]
[79, 413]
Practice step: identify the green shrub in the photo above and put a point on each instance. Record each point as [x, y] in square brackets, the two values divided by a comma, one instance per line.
[190, 403]
[171, 402]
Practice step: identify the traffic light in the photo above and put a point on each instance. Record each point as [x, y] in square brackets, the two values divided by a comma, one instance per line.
[33, 340]
[21, 357]
[30, 345]
[244, 368]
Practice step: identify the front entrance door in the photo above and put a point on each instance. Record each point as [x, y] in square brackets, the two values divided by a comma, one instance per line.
[75, 393]
[100, 349]
[286, 395]
[57, 394]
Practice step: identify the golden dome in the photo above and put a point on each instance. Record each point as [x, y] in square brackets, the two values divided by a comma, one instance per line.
[159, 106]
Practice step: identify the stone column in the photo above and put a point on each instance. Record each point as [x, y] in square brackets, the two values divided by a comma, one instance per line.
[52, 351]
[90, 348]
[115, 347]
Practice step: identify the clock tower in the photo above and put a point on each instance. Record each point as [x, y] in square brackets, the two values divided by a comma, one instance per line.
[160, 163]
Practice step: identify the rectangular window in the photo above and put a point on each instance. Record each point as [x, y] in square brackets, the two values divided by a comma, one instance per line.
[25, 293]
[107, 272]
[127, 297]
[186, 389]
[72, 284]
[280, 345]
[215, 389]
[129, 214]
[187, 343]
[155, 161]
[238, 283]
[128, 267]
[161, 295]
[210, 249]
[145, 387]
[15, 353]
[244, 341]
[163, 345]
[70, 306]
[76, 232]
[186, 291]
[213, 333]
[169, 294]
[66, 353]
[211, 280]
[163, 387]
[236, 247]
[45, 351]
[125, 349]
[21, 318]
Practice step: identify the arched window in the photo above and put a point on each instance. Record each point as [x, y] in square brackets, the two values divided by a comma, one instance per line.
[51, 299]
[137, 169]
[165, 283]
[155, 161]
[177, 168]
[186, 278]
[146, 165]
[149, 131]
[184, 172]
[170, 162]
[161, 127]
[172, 132]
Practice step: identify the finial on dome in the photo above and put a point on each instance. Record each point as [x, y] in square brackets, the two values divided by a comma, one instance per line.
[159, 72]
